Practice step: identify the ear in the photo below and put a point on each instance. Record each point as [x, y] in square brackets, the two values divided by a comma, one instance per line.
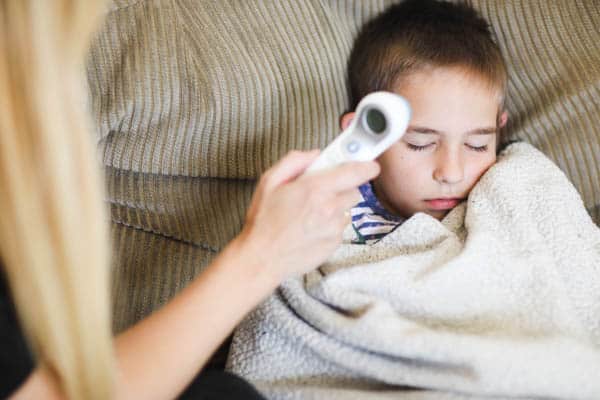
[346, 119]
[502, 119]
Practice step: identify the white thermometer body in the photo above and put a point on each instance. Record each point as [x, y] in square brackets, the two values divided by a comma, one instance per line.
[381, 119]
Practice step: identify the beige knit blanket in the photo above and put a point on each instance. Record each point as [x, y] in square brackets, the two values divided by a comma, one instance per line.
[501, 298]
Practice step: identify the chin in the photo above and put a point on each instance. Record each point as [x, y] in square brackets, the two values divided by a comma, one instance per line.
[439, 215]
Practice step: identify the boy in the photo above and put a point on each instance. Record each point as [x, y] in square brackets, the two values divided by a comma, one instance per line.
[440, 56]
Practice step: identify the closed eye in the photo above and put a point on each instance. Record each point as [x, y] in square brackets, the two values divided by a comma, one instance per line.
[477, 148]
[414, 147]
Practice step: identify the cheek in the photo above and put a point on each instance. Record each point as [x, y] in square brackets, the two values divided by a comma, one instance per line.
[479, 166]
[395, 164]
[401, 170]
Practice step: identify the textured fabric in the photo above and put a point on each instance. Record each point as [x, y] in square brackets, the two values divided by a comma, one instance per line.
[219, 385]
[192, 100]
[553, 54]
[501, 298]
[370, 220]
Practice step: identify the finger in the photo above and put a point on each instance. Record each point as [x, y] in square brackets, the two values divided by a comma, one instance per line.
[348, 199]
[347, 218]
[289, 168]
[343, 221]
[347, 176]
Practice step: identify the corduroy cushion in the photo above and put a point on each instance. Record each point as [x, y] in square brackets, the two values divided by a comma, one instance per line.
[194, 99]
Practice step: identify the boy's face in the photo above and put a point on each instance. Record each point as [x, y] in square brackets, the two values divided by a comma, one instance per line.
[449, 144]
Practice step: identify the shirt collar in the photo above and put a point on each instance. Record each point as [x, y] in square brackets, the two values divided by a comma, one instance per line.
[370, 220]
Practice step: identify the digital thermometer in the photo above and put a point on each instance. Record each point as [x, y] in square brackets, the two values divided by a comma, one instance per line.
[381, 119]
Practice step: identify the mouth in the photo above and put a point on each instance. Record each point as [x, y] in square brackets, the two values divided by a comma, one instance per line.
[443, 204]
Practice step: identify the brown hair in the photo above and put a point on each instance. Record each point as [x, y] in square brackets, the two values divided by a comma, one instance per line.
[416, 34]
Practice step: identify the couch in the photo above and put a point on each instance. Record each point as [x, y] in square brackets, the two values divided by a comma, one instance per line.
[193, 100]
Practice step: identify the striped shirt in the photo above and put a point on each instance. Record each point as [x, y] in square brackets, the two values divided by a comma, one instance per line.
[370, 220]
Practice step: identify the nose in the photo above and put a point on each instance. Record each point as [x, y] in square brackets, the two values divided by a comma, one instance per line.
[449, 167]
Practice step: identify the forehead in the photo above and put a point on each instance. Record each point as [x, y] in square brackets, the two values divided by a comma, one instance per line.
[450, 96]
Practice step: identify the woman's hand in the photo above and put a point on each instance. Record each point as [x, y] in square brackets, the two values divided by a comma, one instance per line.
[293, 224]
[296, 221]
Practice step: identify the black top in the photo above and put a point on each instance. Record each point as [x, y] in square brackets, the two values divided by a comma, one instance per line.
[16, 362]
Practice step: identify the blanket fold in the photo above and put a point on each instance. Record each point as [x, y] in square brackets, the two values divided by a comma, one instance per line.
[500, 299]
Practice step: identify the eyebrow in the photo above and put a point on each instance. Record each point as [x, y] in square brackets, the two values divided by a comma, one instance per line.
[429, 131]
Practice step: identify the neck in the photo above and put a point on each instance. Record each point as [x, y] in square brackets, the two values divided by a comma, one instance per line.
[384, 201]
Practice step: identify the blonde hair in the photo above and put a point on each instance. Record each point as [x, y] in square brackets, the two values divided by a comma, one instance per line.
[53, 227]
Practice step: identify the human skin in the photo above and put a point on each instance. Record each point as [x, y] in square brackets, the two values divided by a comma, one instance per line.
[283, 236]
[449, 144]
